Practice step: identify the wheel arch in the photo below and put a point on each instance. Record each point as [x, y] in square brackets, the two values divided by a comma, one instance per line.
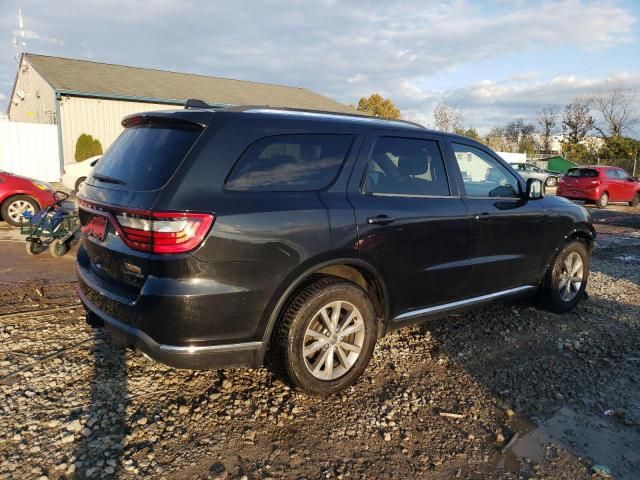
[585, 235]
[356, 270]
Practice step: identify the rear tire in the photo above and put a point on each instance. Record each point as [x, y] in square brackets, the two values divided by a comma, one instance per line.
[551, 182]
[13, 207]
[325, 337]
[636, 200]
[603, 200]
[58, 248]
[566, 278]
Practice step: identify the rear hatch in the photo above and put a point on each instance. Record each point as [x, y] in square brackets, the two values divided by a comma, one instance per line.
[581, 178]
[121, 228]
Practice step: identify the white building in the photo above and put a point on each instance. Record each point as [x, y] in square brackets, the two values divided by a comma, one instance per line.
[88, 97]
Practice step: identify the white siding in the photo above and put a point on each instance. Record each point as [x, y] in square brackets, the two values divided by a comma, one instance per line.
[30, 149]
[99, 118]
[36, 104]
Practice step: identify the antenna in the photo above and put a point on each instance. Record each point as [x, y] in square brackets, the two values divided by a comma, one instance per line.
[19, 45]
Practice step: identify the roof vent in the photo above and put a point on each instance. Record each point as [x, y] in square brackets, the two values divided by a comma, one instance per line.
[196, 103]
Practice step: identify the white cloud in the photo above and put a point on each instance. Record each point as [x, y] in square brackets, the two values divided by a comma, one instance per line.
[31, 35]
[342, 49]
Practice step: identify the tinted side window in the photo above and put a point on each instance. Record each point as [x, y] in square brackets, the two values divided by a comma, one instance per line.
[406, 166]
[483, 175]
[623, 175]
[290, 163]
[613, 174]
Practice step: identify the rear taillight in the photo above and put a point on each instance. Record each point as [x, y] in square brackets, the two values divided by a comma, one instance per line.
[164, 232]
[156, 232]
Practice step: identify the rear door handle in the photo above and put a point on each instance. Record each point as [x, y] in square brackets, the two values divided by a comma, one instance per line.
[483, 217]
[380, 220]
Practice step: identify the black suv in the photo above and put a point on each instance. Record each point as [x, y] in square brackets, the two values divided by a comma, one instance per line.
[248, 236]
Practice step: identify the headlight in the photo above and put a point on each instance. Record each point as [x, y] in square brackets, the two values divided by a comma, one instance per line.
[42, 185]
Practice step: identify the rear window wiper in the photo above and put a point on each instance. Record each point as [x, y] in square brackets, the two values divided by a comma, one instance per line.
[108, 179]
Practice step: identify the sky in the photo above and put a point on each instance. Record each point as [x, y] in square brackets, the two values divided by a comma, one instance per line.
[493, 60]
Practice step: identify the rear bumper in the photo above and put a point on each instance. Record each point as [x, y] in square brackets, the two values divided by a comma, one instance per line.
[591, 194]
[117, 311]
[239, 355]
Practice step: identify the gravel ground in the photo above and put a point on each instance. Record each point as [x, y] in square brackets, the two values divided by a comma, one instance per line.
[74, 405]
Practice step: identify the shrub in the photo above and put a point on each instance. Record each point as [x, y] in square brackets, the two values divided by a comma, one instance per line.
[87, 147]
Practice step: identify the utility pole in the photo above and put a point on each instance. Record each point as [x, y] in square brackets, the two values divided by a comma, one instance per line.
[635, 159]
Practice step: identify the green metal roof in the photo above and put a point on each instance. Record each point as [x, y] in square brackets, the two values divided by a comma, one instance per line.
[84, 78]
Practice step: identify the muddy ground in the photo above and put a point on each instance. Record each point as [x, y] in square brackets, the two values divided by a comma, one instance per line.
[74, 405]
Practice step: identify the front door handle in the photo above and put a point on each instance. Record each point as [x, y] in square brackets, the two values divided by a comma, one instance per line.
[483, 217]
[380, 220]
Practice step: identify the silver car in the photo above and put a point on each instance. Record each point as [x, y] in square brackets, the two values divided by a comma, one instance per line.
[529, 170]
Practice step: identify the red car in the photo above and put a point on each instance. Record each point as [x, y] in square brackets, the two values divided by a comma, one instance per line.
[600, 185]
[19, 194]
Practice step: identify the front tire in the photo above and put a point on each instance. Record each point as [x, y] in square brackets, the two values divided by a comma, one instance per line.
[551, 181]
[603, 200]
[566, 278]
[635, 201]
[14, 207]
[325, 337]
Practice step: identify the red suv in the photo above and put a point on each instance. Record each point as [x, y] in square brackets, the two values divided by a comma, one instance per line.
[600, 185]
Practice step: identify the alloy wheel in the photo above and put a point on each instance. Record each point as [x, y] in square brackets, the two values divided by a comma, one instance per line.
[333, 340]
[17, 208]
[571, 275]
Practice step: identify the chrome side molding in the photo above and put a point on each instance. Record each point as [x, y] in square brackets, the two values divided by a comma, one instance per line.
[462, 303]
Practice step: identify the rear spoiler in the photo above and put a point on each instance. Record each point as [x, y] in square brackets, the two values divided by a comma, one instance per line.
[174, 118]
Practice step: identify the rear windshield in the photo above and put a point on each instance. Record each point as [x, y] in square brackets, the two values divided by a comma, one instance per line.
[144, 157]
[582, 172]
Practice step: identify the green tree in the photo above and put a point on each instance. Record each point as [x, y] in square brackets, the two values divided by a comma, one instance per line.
[469, 132]
[378, 107]
[87, 147]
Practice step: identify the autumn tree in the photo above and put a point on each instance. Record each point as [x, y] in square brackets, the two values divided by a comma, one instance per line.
[495, 139]
[618, 110]
[446, 118]
[547, 120]
[378, 106]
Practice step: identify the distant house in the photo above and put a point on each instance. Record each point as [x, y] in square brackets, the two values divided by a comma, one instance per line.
[89, 97]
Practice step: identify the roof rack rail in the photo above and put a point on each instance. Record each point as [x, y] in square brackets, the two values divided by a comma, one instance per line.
[196, 103]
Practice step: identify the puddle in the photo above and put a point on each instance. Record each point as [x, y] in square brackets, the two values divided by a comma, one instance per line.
[599, 439]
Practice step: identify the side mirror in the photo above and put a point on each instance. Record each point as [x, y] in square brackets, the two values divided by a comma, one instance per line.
[534, 189]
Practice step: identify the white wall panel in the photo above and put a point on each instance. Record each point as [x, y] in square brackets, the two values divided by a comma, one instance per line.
[100, 118]
[30, 149]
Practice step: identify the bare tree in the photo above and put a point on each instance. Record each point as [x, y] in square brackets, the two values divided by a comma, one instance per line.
[519, 135]
[618, 107]
[446, 118]
[577, 121]
[547, 119]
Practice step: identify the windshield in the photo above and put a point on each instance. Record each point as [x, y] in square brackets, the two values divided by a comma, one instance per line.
[144, 157]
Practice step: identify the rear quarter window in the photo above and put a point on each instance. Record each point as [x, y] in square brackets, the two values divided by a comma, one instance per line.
[144, 157]
[282, 163]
